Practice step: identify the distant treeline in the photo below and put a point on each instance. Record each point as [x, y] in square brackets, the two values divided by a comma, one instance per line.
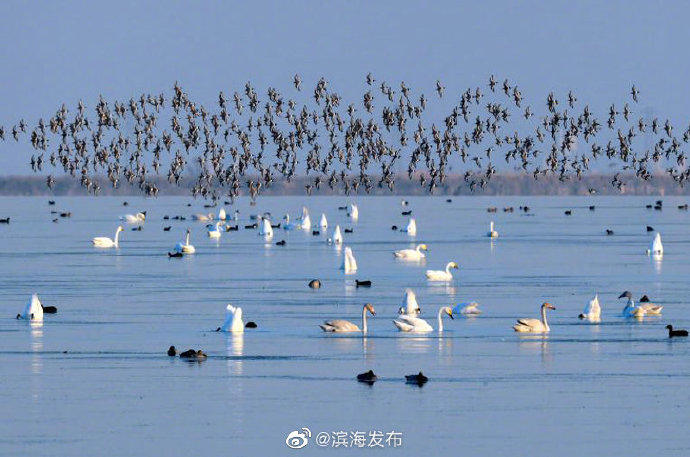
[503, 184]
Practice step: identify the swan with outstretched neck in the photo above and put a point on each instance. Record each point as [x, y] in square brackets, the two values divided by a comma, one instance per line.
[105, 242]
[185, 247]
[411, 254]
[530, 325]
[442, 275]
[343, 326]
[413, 324]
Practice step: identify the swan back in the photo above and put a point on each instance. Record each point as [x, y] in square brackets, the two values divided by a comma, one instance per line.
[233, 320]
[323, 223]
[337, 235]
[410, 306]
[354, 212]
[349, 263]
[33, 310]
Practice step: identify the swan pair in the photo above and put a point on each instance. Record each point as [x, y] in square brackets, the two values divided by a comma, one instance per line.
[343, 326]
[411, 228]
[134, 218]
[105, 242]
[656, 248]
[185, 247]
[442, 275]
[411, 254]
[349, 265]
[644, 308]
[530, 325]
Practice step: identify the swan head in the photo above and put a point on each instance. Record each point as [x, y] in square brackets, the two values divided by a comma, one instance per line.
[449, 311]
[453, 265]
[369, 307]
[423, 247]
[548, 305]
[120, 228]
[626, 294]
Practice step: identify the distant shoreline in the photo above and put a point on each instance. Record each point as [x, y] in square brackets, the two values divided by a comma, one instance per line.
[500, 185]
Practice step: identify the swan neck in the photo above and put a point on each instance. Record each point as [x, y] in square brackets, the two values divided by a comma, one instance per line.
[117, 236]
[543, 317]
[186, 239]
[440, 320]
[364, 320]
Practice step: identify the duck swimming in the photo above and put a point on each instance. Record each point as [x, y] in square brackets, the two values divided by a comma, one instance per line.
[674, 333]
[529, 325]
[442, 275]
[343, 326]
[369, 377]
[418, 379]
[412, 254]
[193, 355]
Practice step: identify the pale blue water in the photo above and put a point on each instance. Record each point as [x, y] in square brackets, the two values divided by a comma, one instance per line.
[586, 389]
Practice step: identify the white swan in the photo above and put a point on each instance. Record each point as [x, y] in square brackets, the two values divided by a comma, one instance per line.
[442, 275]
[236, 215]
[592, 311]
[409, 304]
[221, 214]
[287, 225]
[349, 264]
[413, 324]
[202, 217]
[354, 212]
[33, 311]
[185, 247]
[468, 308]
[214, 232]
[134, 218]
[411, 254]
[530, 325]
[105, 242]
[337, 237]
[343, 326]
[323, 223]
[233, 320]
[411, 228]
[305, 220]
[492, 233]
[266, 230]
[656, 248]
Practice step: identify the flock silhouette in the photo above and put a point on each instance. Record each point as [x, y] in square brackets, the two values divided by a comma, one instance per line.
[246, 142]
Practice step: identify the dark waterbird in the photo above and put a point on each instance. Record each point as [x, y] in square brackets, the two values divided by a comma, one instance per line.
[362, 283]
[250, 324]
[281, 243]
[418, 379]
[315, 284]
[175, 254]
[674, 333]
[49, 309]
[193, 355]
[348, 230]
[369, 377]
[172, 352]
[167, 229]
[5, 220]
[650, 228]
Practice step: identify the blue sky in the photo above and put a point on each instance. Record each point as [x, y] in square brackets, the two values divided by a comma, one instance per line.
[55, 52]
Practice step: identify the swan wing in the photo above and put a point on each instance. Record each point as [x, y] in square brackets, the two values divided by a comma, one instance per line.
[403, 326]
[339, 325]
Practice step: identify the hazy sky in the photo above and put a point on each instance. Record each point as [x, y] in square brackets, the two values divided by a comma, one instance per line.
[55, 52]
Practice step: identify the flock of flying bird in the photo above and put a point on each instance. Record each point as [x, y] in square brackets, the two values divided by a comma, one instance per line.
[246, 143]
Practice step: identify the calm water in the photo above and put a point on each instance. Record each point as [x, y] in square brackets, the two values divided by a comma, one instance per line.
[600, 389]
